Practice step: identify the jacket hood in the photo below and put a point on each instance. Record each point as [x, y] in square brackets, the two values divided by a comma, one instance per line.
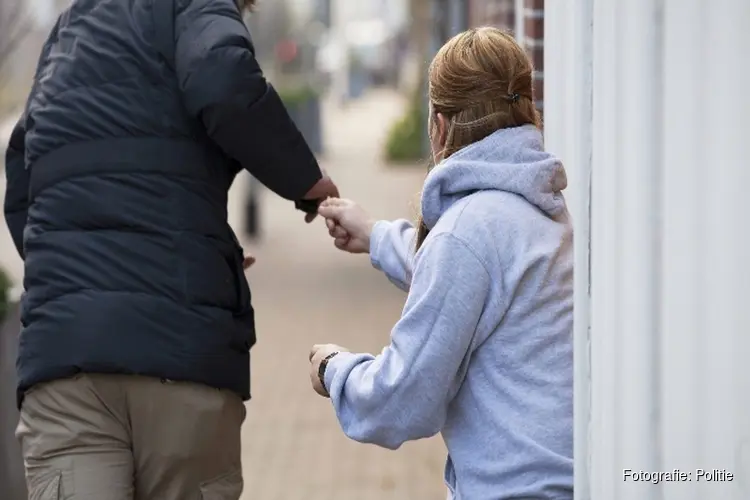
[511, 160]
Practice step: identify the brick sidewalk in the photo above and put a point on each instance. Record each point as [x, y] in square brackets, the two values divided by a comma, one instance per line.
[306, 292]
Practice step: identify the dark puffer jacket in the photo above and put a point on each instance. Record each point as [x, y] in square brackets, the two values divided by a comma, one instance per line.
[117, 192]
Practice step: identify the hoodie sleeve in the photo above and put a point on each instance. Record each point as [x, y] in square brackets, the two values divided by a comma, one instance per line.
[403, 393]
[392, 250]
[17, 186]
[223, 85]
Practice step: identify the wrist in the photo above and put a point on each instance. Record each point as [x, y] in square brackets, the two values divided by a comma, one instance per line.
[369, 225]
[322, 369]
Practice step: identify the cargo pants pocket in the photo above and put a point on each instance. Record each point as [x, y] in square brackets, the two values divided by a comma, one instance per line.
[225, 487]
[46, 487]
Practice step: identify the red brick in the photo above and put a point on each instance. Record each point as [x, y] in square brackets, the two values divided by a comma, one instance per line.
[534, 4]
[533, 27]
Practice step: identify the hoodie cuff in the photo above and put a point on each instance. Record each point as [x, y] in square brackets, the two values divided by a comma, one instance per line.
[376, 238]
[333, 365]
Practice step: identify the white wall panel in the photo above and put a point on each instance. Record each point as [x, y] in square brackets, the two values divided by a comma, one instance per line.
[663, 334]
[568, 133]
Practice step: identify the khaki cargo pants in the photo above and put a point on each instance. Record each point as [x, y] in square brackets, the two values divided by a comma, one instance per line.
[119, 437]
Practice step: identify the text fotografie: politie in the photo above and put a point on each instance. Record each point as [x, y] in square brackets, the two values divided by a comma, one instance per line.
[677, 475]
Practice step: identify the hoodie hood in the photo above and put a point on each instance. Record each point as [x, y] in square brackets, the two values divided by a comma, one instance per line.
[511, 160]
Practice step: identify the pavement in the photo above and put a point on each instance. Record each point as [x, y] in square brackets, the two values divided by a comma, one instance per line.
[306, 292]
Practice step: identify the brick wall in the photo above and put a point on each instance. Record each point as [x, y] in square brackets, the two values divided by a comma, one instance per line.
[533, 27]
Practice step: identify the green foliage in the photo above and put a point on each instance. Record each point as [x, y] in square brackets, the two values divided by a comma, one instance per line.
[405, 141]
[295, 96]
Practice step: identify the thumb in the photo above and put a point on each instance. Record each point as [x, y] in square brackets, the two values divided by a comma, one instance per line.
[314, 350]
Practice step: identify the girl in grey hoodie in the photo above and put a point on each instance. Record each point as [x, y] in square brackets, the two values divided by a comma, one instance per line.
[483, 350]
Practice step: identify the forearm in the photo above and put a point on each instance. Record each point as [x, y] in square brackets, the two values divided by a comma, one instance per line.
[403, 393]
[392, 250]
[223, 85]
[265, 141]
[371, 398]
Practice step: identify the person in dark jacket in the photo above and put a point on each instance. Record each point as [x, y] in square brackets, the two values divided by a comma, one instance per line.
[136, 318]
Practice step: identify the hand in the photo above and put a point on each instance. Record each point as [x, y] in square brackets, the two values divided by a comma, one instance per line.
[348, 224]
[317, 354]
[323, 189]
[247, 262]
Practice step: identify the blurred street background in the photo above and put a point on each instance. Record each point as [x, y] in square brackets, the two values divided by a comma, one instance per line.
[654, 144]
[352, 76]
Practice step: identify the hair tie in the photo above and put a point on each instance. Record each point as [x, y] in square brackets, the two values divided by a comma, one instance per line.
[514, 97]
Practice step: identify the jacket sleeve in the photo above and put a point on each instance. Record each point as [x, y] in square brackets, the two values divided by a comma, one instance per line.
[392, 250]
[17, 186]
[223, 85]
[403, 393]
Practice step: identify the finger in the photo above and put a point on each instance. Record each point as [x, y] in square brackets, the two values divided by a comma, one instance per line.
[314, 350]
[341, 243]
[332, 211]
[333, 190]
[339, 232]
[310, 217]
[335, 202]
[248, 262]
[336, 230]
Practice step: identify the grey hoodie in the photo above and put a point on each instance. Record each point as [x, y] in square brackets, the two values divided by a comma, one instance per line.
[483, 350]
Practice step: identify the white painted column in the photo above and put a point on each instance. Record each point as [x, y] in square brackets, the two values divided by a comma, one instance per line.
[705, 323]
[625, 233]
[519, 30]
[663, 333]
[568, 91]
[568, 132]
